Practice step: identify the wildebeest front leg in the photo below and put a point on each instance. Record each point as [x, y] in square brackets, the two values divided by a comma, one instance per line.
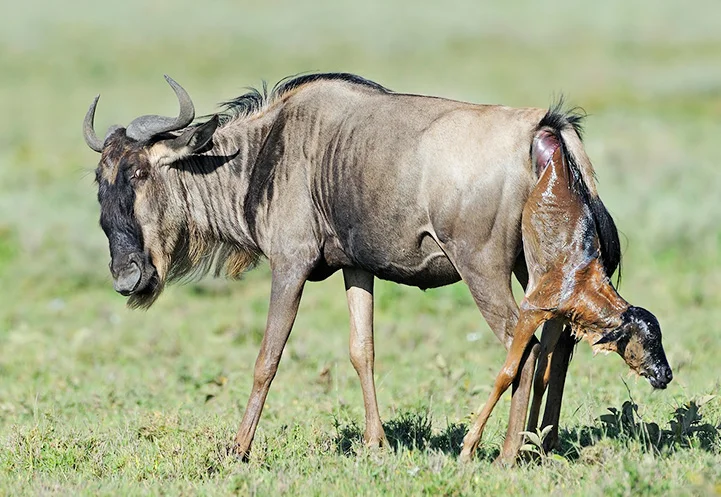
[284, 300]
[528, 321]
[359, 292]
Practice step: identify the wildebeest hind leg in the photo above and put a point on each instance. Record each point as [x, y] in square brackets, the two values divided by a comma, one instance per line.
[359, 292]
[551, 332]
[286, 290]
[559, 368]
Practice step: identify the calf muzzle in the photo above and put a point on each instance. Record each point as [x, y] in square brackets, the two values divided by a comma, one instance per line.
[660, 376]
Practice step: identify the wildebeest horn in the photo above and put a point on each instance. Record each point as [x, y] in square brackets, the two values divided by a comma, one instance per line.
[145, 127]
[91, 138]
[89, 131]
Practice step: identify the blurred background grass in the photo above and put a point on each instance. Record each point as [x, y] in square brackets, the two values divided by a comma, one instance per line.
[77, 366]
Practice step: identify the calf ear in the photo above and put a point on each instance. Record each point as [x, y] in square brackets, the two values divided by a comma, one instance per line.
[191, 141]
[612, 336]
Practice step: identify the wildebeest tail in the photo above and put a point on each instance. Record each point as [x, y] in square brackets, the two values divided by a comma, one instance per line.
[567, 126]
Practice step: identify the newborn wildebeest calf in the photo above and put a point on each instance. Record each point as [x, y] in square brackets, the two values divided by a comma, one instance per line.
[562, 242]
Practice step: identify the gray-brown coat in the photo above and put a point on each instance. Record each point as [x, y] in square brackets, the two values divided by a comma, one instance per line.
[331, 172]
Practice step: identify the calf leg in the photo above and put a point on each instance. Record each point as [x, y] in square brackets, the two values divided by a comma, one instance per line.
[527, 324]
[551, 331]
[359, 292]
[500, 312]
[559, 367]
[521, 389]
[491, 290]
[284, 300]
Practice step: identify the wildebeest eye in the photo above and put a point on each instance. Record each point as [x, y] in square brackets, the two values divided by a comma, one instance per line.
[140, 173]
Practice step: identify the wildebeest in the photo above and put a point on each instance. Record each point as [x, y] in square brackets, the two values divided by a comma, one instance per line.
[329, 172]
[562, 242]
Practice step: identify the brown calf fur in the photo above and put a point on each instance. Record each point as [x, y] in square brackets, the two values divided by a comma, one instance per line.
[568, 284]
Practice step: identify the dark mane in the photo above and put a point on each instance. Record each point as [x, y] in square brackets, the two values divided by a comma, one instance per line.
[558, 120]
[254, 100]
[291, 82]
[244, 105]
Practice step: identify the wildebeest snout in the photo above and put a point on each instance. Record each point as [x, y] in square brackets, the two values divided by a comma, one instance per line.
[127, 274]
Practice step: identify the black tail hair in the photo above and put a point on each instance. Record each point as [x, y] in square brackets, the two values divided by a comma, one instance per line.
[608, 235]
[558, 120]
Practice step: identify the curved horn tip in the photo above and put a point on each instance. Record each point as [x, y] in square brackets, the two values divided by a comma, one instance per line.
[91, 109]
[187, 109]
[174, 84]
[91, 138]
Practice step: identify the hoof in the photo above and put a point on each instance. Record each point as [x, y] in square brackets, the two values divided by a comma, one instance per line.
[505, 460]
[470, 444]
[240, 452]
[465, 456]
[376, 443]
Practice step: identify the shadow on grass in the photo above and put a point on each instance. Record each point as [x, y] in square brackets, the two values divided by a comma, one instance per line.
[687, 430]
[410, 430]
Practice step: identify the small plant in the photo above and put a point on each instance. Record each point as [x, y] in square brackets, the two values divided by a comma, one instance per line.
[687, 429]
[534, 441]
[628, 424]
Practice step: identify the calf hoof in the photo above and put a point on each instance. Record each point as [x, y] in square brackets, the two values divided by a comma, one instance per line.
[470, 444]
[468, 450]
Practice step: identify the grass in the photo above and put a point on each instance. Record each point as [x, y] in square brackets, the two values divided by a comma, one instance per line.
[98, 400]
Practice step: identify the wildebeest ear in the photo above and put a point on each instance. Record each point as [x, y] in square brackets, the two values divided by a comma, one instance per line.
[195, 138]
[191, 141]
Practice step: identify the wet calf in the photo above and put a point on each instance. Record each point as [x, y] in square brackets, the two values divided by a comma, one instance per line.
[564, 236]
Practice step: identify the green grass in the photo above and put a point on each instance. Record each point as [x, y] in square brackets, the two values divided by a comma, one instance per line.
[96, 399]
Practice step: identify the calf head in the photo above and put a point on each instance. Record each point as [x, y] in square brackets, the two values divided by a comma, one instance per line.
[638, 341]
[140, 222]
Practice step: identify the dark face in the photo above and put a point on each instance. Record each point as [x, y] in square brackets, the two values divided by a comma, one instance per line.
[141, 224]
[120, 174]
[134, 210]
[641, 348]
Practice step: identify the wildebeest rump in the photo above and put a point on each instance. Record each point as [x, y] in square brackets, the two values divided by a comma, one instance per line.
[330, 172]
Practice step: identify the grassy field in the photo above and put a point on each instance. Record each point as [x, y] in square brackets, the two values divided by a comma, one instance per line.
[99, 400]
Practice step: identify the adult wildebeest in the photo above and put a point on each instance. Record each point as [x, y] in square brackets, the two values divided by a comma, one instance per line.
[562, 243]
[330, 172]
